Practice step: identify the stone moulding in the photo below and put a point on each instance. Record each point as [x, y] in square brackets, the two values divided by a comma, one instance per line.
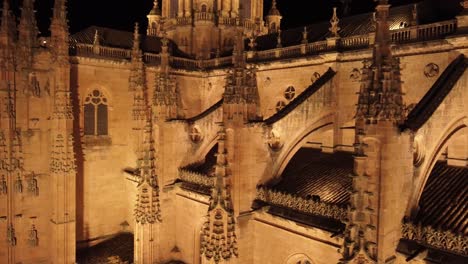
[300, 204]
[440, 239]
[196, 178]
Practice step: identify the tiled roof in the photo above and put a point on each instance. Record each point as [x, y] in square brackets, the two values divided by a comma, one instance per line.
[436, 95]
[312, 172]
[429, 11]
[327, 76]
[121, 39]
[410, 248]
[444, 201]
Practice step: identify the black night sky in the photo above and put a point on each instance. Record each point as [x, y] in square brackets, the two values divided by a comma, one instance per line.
[123, 14]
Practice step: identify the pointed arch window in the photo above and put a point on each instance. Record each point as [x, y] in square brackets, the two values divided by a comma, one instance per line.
[95, 114]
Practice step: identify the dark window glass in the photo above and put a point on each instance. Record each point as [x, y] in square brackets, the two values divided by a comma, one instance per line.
[102, 119]
[95, 114]
[89, 119]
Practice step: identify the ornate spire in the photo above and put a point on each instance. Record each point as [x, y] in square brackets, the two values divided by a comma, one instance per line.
[273, 19]
[274, 10]
[415, 16]
[241, 93]
[8, 26]
[147, 209]
[334, 21]
[305, 36]
[155, 20]
[156, 11]
[166, 93]
[218, 239]
[59, 29]
[137, 79]
[278, 39]
[28, 25]
[381, 98]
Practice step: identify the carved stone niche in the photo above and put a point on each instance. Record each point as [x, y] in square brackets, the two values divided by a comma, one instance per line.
[274, 141]
[195, 134]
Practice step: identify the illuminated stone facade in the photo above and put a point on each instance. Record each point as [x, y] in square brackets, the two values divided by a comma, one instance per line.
[182, 135]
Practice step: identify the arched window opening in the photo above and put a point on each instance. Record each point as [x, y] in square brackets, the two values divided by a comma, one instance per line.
[203, 8]
[95, 114]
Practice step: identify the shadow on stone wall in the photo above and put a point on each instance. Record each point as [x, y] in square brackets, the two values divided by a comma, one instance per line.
[115, 250]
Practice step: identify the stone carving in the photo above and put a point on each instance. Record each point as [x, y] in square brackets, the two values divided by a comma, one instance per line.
[33, 87]
[47, 87]
[218, 238]
[355, 74]
[376, 103]
[334, 25]
[195, 178]
[18, 185]
[3, 186]
[33, 187]
[300, 204]
[33, 239]
[11, 236]
[430, 236]
[147, 208]
[289, 93]
[62, 105]
[431, 70]
[274, 141]
[166, 94]
[195, 134]
[315, 77]
[62, 158]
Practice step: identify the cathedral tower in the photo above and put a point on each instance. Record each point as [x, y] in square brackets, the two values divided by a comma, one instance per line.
[203, 28]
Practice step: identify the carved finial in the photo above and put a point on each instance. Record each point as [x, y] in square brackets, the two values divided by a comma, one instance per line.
[28, 25]
[156, 11]
[274, 10]
[8, 25]
[96, 41]
[136, 36]
[334, 25]
[278, 39]
[305, 36]
[414, 17]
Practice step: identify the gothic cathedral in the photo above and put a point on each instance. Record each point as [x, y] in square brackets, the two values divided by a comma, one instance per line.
[219, 138]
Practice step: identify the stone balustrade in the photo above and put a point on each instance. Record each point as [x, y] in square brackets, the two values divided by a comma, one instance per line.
[301, 204]
[89, 50]
[429, 236]
[152, 59]
[186, 175]
[204, 16]
[410, 34]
